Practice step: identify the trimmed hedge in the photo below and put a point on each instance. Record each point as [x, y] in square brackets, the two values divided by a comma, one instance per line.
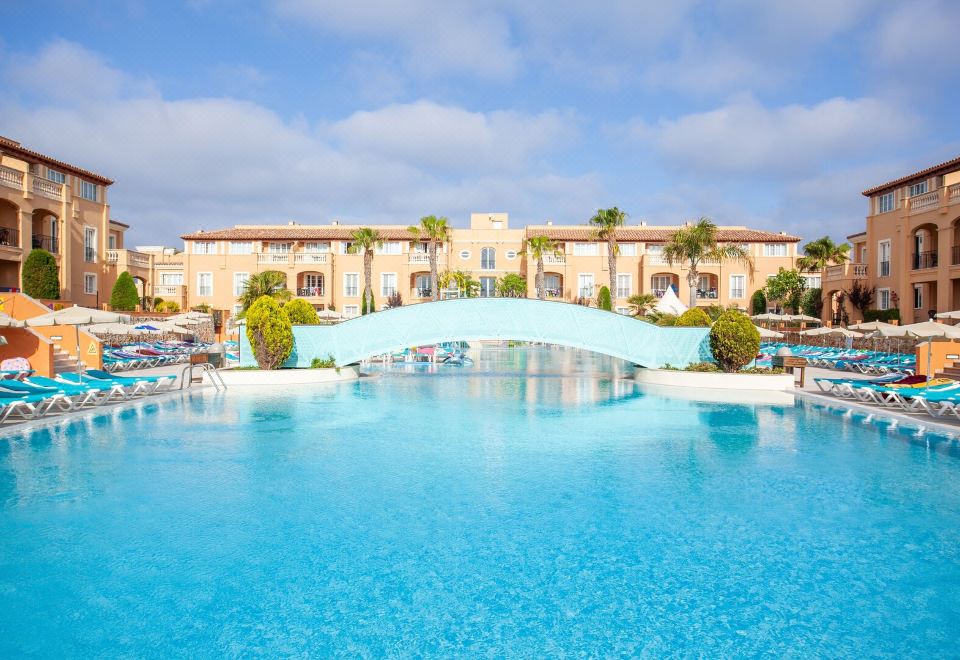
[300, 312]
[363, 304]
[734, 341]
[603, 299]
[694, 318]
[41, 277]
[269, 332]
[124, 296]
[885, 315]
[758, 302]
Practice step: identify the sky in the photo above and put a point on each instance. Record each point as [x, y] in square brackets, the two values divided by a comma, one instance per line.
[207, 113]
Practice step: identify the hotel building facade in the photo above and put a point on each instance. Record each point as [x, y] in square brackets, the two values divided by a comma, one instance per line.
[910, 249]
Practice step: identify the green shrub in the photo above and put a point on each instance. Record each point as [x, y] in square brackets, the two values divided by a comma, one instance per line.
[714, 311]
[167, 306]
[124, 296]
[603, 299]
[812, 302]
[707, 367]
[758, 302]
[41, 277]
[202, 307]
[693, 318]
[269, 332]
[512, 285]
[734, 340]
[885, 315]
[762, 371]
[665, 320]
[300, 312]
[363, 305]
[323, 363]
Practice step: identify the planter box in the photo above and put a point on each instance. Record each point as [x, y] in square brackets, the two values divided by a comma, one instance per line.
[715, 380]
[243, 377]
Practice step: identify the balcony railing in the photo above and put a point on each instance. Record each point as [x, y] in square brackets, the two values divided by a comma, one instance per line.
[47, 188]
[859, 270]
[923, 260]
[273, 258]
[9, 237]
[953, 194]
[706, 294]
[41, 242]
[843, 271]
[552, 293]
[310, 292]
[419, 258]
[309, 258]
[176, 290]
[11, 177]
[554, 259]
[421, 292]
[925, 202]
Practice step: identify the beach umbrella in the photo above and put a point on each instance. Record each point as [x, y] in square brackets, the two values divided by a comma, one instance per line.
[77, 316]
[114, 329]
[145, 326]
[7, 321]
[872, 326]
[770, 316]
[953, 316]
[329, 314]
[837, 332]
[769, 334]
[926, 330]
[805, 318]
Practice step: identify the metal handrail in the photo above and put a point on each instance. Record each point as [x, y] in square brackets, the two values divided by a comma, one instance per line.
[204, 366]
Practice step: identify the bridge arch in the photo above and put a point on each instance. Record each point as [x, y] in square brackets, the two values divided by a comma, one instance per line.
[475, 319]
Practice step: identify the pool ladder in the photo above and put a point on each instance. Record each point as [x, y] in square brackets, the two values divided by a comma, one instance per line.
[206, 367]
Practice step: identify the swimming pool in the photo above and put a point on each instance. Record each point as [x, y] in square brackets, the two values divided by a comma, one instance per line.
[501, 509]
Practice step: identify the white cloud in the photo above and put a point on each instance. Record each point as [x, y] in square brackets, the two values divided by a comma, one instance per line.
[745, 137]
[919, 38]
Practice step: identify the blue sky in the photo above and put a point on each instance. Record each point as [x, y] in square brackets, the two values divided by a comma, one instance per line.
[208, 113]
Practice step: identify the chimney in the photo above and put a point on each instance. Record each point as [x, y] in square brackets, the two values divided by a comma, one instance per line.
[334, 222]
[549, 223]
[643, 223]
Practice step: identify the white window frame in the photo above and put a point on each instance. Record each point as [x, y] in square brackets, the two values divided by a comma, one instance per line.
[346, 290]
[510, 255]
[200, 288]
[774, 249]
[238, 291]
[883, 298]
[885, 203]
[580, 286]
[279, 247]
[627, 249]
[165, 277]
[492, 292]
[90, 232]
[384, 289]
[389, 248]
[210, 247]
[918, 296]
[488, 258]
[734, 289]
[464, 254]
[629, 288]
[316, 247]
[625, 311]
[582, 249]
[885, 243]
[240, 247]
[56, 176]
[813, 281]
[921, 188]
[90, 277]
[661, 278]
[88, 191]
[351, 311]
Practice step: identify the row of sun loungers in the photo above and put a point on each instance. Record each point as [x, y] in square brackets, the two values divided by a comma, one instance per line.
[938, 397]
[36, 396]
[145, 356]
[872, 363]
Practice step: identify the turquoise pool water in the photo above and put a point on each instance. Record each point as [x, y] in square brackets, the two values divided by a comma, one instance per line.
[501, 510]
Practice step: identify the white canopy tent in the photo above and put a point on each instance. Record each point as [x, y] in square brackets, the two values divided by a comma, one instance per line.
[670, 304]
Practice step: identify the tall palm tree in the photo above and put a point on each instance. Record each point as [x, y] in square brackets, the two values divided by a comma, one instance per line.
[365, 241]
[641, 303]
[607, 221]
[540, 246]
[822, 252]
[435, 230]
[271, 283]
[697, 242]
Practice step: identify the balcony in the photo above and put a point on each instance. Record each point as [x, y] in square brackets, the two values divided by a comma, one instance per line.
[421, 292]
[708, 294]
[935, 199]
[11, 177]
[310, 292]
[923, 260]
[48, 188]
[554, 259]
[124, 258]
[307, 257]
[172, 290]
[419, 258]
[9, 237]
[48, 243]
[552, 293]
[846, 271]
[273, 258]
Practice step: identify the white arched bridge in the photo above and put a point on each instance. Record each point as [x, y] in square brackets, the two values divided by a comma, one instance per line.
[497, 319]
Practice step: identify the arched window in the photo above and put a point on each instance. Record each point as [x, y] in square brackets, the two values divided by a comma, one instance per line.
[488, 258]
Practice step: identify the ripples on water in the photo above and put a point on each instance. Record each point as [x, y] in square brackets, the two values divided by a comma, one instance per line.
[502, 509]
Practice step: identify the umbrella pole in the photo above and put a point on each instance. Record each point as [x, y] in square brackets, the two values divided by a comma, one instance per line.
[76, 329]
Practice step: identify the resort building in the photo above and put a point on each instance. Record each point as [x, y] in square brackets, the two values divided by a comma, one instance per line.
[321, 268]
[910, 249]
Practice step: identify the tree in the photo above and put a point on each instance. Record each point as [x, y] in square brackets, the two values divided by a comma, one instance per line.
[512, 285]
[41, 277]
[463, 281]
[820, 253]
[300, 312]
[364, 310]
[693, 318]
[696, 243]
[540, 246]
[641, 303]
[812, 303]
[124, 297]
[269, 332]
[607, 221]
[167, 306]
[786, 288]
[603, 299]
[365, 241]
[861, 296]
[271, 283]
[734, 340]
[758, 302]
[436, 231]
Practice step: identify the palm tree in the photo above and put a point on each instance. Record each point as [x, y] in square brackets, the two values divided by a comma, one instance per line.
[820, 253]
[697, 242]
[540, 246]
[365, 240]
[606, 221]
[641, 303]
[271, 283]
[435, 230]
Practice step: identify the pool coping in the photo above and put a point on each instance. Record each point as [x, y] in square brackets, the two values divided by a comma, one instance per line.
[922, 422]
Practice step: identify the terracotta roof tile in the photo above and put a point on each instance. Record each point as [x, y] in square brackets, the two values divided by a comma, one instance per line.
[293, 233]
[17, 150]
[936, 169]
[657, 234]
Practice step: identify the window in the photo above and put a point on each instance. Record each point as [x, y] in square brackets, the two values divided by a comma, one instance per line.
[316, 248]
[204, 284]
[774, 249]
[464, 254]
[345, 247]
[488, 258]
[625, 311]
[883, 258]
[585, 285]
[624, 284]
[918, 296]
[423, 286]
[390, 247]
[883, 298]
[350, 311]
[351, 284]
[628, 249]
[204, 247]
[488, 287]
[241, 247]
[812, 281]
[388, 283]
[237, 308]
[88, 190]
[279, 248]
[171, 279]
[239, 283]
[89, 244]
[551, 285]
[111, 242]
[511, 255]
[497, 224]
[313, 283]
[885, 203]
[654, 249]
[918, 188]
[660, 284]
[55, 176]
[586, 249]
[863, 254]
[89, 283]
[738, 287]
